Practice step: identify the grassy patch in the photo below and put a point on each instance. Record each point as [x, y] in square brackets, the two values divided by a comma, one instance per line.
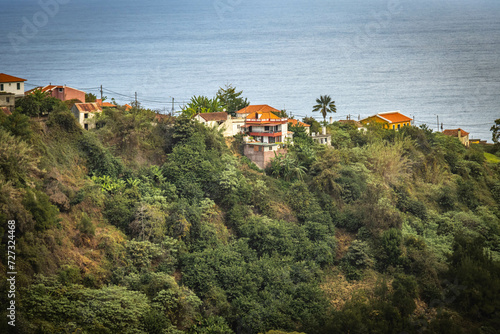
[491, 158]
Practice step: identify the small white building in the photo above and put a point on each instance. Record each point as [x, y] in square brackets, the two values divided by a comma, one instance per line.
[11, 84]
[322, 138]
[84, 112]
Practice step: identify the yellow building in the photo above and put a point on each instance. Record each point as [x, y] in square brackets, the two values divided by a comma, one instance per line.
[393, 120]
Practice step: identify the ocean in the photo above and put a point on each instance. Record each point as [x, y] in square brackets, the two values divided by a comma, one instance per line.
[430, 59]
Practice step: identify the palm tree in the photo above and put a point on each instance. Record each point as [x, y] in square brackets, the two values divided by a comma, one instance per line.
[325, 105]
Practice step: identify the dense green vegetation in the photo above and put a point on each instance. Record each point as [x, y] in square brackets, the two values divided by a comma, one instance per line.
[147, 226]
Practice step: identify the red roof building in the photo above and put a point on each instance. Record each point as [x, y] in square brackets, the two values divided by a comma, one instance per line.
[11, 84]
[63, 93]
[462, 135]
[84, 112]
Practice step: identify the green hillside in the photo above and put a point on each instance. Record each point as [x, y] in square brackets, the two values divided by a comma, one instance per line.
[146, 226]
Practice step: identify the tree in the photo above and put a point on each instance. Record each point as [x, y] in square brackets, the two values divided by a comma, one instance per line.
[496, 131]
[325, 105]
[89, 97]
[315, 126]
[230, 99]
[202, 104]
[39, 103]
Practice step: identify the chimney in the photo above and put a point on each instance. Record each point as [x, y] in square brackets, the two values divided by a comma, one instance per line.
[323, 130]
[331, 120]
[459, 133]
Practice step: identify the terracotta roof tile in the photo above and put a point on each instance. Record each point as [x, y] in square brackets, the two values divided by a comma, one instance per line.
[88, 107]
[295, 122]
[257, 108]
[213, 116]
[9, 78]
[393, 117]
[261, 115]
[6, 111]
[454, 132]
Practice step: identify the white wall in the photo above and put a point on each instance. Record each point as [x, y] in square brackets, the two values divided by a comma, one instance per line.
[11, 87]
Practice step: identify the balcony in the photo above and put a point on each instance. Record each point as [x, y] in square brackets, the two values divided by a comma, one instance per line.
[267, 120]
[266, 134]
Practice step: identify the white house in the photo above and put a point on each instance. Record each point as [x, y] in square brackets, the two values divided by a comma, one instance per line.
[11, 84]
[219, 120]
[84, 112]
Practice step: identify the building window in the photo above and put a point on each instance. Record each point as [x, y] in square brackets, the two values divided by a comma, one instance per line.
[399, 126]
[61, 90]
[18, 86]
[393, 126]
[266, 128]
[7, 99]
[86, 126]
[1, 87]
[86, 115]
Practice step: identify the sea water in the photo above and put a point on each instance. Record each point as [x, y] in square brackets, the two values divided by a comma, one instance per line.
[434, 60]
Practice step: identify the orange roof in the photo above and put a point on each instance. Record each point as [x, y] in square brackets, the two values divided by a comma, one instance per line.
[297, 123]
[9, 78]
[257, 108]
[104, 104]
[454, 133]
[213, 116]
[261, 116]
[127, 107]
[393, 117]
[6, 111]
[88, 107]
[48, 88]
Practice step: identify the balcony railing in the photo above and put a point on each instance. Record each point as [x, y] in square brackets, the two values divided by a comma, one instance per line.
[266, 134]
[266, 120]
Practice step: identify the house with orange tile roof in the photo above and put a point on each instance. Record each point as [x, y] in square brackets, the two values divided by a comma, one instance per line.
[261, 108]
[295, 122]
[12, 84]
[63, 93]
[85, 112]
[462, 135]
[393, 120]
[267, 134]
[104, 104]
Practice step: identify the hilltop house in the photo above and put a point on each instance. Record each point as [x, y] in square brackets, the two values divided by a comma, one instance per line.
[460, 134]
[393, 120]
[267, 133]
[219, 120]
[63, 93]
[294, 122]
[84, 112]
[11, 84]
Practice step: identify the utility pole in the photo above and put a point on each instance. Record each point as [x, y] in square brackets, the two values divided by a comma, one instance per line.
[101, 93]
[441, 126]
[437, 122]
[172, 113]
[413, 120]
[136, 99]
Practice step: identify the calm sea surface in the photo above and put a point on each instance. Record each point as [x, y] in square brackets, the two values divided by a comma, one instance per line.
[427, 58]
